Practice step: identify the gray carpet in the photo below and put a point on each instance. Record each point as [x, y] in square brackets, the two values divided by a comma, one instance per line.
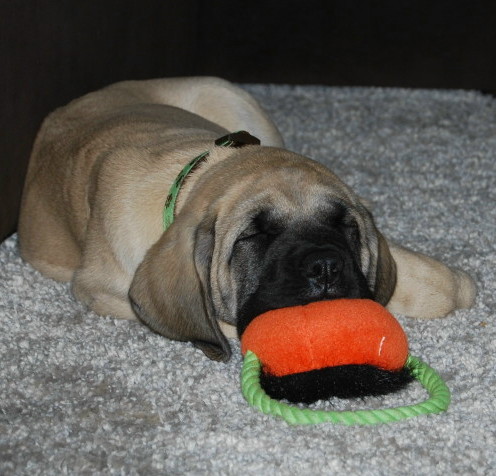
[81, 394]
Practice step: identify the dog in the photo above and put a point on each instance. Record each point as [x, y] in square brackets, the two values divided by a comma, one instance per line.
[256, 227]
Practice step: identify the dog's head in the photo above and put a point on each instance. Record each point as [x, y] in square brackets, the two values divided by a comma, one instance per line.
[262, 230]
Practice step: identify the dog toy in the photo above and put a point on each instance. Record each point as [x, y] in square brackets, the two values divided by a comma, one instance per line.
[341, 348]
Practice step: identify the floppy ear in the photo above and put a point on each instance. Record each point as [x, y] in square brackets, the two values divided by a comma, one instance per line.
[374, 250]
[381, 274]
[171, 292]
[385, 277]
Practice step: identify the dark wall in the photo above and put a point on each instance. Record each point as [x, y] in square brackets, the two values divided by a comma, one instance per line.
[51, 52]
[431, 44]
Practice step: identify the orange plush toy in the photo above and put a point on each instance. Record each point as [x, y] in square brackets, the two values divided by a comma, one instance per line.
[343, 348]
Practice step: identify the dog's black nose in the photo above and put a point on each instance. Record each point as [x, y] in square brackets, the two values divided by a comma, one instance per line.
[322, 269]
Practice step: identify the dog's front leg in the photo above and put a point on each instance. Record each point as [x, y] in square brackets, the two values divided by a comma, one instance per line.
[427, 288]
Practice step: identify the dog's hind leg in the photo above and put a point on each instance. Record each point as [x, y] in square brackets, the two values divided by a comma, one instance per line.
[44, 241]
[234, 109]
[102, 282]
[104, 295]
[219, 101]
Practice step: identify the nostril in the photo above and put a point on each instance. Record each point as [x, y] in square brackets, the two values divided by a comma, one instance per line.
[321, 266]
[316, 270]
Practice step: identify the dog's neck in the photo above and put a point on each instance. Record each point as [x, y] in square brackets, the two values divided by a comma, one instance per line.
[235, 139]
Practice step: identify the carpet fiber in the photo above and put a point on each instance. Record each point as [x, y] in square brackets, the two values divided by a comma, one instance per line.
[82, 394]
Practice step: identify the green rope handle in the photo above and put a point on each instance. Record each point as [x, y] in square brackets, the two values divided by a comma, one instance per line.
[438, 401]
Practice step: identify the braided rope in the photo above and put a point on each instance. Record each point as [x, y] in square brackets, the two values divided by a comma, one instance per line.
[438, 401]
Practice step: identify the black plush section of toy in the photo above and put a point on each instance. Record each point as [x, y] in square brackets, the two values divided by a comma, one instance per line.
[345, 381]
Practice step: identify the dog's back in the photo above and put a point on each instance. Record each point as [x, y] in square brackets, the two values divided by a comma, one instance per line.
[54, 209]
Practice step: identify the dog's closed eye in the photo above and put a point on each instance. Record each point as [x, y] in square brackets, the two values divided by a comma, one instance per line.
[261, 227]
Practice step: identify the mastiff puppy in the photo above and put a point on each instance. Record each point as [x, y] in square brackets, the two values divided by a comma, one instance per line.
[256, 227]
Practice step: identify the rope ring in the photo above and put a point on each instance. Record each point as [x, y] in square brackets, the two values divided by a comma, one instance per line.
[438, 401]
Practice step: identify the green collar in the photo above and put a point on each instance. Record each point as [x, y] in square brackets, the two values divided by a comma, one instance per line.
[236, 139]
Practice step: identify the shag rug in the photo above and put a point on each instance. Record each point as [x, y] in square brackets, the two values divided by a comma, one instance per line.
[82, 394]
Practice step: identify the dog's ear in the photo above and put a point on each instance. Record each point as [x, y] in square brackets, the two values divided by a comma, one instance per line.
[171, 291]
[379, 265]
[385, 277]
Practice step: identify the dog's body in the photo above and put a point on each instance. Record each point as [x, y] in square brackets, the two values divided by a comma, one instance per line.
[256, 227]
